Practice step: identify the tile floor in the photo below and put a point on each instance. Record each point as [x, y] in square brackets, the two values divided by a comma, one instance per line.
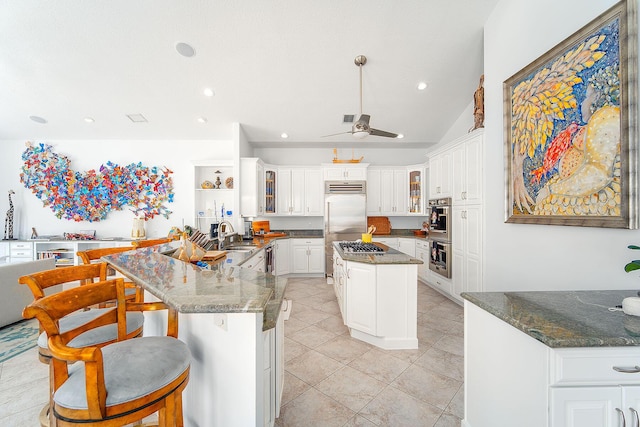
[330, 379]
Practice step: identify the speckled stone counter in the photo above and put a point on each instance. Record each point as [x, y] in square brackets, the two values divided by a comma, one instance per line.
[391, 256]
[226, 288]
[565, 318]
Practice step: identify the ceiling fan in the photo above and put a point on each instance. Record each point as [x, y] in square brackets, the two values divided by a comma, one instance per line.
[360, 128]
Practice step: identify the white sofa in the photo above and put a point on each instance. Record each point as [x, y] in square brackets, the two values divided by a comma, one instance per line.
[14, 297]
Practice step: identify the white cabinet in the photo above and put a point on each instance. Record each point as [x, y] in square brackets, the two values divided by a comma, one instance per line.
[361, 297]
[387, 191]
[307, 256]
[20, 252]
[440, 174]
[299, 191]
[391, 242]
[339, 172]
[273, 371]
[407, 246]
[467, 161]
[423, 252]
[270, 182]
[467, 249]
[290, 191]
[252, 193]
[339, 280]
[282, 257]
[595, 406]
[256, 262]
[313, 192]
[209, 203]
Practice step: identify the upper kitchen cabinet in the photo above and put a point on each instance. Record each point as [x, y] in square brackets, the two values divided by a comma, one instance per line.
[467, 168]
[299, 191]
[387, 191]
[214, 193]
[313, 192]
[416, 188]
[270, 181]
[252, 193]
[440, 174]
[345, 171]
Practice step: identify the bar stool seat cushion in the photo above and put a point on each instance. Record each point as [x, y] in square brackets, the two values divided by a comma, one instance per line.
[128, 372]
[93, 337]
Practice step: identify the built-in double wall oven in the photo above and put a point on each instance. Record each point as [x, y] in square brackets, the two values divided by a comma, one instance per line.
[440, 236]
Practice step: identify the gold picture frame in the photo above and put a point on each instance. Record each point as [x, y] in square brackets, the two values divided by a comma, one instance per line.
[570, 129]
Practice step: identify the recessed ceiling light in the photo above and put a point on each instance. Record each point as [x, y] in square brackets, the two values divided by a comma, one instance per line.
[422, 86]
[208, 92]
[38, 119]
[201, 120]
[400, 136]
[284, 135]
[89, 120]
[185, 50]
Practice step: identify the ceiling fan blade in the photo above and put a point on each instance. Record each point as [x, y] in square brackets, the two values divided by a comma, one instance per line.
[334, 134]
[378, 132]
[364, 118]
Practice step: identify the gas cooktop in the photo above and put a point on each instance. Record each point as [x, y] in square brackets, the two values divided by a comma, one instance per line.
[360, 248]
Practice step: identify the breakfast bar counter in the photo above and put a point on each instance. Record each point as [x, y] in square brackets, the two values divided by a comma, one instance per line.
[550, 359]
[229, 317]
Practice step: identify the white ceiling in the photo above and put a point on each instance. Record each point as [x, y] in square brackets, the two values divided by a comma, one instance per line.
[275, 66]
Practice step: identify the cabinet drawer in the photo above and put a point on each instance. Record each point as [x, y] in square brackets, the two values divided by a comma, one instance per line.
[595, 366]
[21, 246]
[21, 253]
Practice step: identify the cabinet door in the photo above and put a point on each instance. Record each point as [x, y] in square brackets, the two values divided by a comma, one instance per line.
[283, 190]
[355, 173]
[586, 407]
[474, 182]
[316, 259]
[270, 181]
[314, 192]
[407, 246]
[400, 192]
[282, 257]
[260, 199]
[459, 176]
[415, 188]
[440, 175]
[361, 297]
[300, 258]
[423, 269]
[374, 190]
[297, 182]
[387, 193]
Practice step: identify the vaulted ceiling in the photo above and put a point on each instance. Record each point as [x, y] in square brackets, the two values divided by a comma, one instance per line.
[275, 66]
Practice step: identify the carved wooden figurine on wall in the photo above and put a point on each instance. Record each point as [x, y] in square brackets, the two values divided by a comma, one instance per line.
[478, 105]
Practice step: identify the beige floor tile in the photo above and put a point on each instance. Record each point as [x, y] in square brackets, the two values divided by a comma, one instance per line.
[313, 408]
[343, 348]
[428, 386]
[292, 325]
[351, 388]
[27, 418]
[448, 420]
[333, 324]
[331, 307]
[312, 367]
[456, 407]
[434, 321]
[393, 407]
[451, 343]
[380, 365]
[292, 388]
[23, 396]
[359, 421]
[293, 349]
[442, 362]
[310, 316]
[427, 335]
[312, 336]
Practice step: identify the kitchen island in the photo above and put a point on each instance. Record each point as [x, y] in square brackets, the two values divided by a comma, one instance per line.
[229, 318]
[377, 295]
[565, 358]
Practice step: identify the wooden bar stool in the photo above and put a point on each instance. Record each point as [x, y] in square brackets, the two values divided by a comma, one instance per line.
[151, 242]
[91, 256]
[41, 283]
[117, 383]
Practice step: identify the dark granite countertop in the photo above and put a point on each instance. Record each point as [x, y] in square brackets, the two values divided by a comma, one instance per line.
[226, 288]
[562, 319]
[391, 256]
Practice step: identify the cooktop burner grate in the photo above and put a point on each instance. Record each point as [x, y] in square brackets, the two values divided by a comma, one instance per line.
[360, 247]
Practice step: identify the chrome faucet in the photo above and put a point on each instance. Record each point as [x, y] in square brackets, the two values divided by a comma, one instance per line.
[223, 233]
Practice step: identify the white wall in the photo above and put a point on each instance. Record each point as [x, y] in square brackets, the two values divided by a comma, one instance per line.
[84, 155]
[316, 156]
[537, 257]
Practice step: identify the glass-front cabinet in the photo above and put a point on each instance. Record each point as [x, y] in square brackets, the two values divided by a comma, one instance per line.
[270, 189]
[416, 190]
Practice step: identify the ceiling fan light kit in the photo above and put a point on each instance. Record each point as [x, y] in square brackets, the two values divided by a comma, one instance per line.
[361, 129]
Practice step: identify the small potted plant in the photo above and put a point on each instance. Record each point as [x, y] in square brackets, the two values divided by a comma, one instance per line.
[635, 264]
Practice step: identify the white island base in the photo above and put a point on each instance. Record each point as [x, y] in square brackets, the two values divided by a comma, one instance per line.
[378, 301]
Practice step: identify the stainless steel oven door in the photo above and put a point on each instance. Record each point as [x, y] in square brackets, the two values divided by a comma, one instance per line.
[440, 219]
[440, 258]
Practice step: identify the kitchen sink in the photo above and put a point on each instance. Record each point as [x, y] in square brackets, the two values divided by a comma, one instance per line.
[246, 248]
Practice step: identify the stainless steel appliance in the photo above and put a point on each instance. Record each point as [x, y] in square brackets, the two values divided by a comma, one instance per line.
[360, 248]
[269, 261]
[345, 215]
[440, 259]
[439, 219]
[248, 230]
[440, 236]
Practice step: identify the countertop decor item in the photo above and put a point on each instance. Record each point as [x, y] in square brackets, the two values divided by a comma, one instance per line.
[229, 182]
[207, 185]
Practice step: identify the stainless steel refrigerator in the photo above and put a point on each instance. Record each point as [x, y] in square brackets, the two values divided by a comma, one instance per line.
[345, 215]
